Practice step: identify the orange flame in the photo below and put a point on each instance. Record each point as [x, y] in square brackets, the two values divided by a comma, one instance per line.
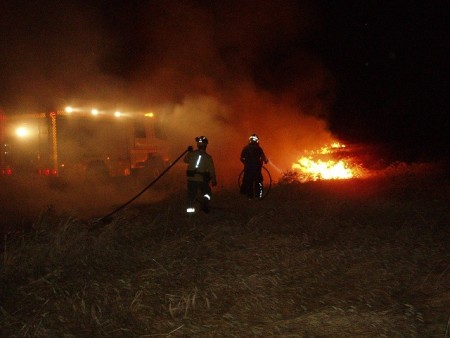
[311, 168]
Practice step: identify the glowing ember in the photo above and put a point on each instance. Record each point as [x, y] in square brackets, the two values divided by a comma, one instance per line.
[328, 149]
[311, 168]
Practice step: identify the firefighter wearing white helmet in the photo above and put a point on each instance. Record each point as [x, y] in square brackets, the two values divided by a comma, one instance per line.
[253, 157]
[200, 174]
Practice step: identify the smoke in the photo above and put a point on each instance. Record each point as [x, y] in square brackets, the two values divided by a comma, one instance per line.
[228, 70]
[223, 69]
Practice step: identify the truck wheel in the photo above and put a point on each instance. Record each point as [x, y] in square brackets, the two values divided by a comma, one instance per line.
[97, 173]
[156, 165]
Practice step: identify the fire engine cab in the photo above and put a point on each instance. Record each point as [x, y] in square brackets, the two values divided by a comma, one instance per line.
[79, 144]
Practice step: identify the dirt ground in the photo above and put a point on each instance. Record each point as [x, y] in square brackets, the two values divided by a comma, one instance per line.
[356, 258]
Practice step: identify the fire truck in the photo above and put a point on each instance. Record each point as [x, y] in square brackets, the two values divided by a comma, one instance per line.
[76, 144]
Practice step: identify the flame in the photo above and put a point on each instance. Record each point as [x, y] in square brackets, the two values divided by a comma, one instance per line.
[311, 168]
[327, 170]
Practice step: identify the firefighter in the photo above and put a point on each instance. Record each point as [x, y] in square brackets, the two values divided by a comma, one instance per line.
[253, 157]
[200, 174]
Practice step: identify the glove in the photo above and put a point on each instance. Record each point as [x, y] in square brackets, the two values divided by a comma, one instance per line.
[190, 149]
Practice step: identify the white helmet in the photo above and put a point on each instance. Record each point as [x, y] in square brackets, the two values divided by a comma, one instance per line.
[254, 139]
[201, 140]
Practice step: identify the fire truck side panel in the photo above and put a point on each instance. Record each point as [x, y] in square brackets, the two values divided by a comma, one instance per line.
[24, 143]
[76, 146]
[84, 143]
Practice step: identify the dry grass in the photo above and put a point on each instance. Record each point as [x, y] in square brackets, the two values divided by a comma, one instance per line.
[363, 258]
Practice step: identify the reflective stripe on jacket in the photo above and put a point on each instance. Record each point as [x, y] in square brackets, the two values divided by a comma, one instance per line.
[200, 163]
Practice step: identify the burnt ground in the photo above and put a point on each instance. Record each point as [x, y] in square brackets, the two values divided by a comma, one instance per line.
[357, 258]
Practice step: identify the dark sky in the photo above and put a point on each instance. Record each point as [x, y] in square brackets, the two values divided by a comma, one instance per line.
[391, 59]
[292, 70]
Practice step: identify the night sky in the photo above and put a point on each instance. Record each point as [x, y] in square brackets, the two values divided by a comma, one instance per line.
[374, 72]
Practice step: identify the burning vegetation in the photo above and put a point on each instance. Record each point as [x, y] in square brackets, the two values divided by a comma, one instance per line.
[330, 162]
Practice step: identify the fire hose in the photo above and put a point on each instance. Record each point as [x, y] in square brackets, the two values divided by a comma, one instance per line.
[267, 188]
[107, 218]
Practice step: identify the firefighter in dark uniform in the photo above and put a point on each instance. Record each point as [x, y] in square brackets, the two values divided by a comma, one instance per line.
[253, 157]
[200, 174]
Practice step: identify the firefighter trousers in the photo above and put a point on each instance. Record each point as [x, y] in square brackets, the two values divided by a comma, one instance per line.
[252, 184]
[193, 187]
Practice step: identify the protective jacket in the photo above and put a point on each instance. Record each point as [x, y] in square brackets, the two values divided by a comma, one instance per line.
[253, 157]
[200, 166]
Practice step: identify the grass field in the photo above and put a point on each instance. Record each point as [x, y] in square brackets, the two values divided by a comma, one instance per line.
[352, 258]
